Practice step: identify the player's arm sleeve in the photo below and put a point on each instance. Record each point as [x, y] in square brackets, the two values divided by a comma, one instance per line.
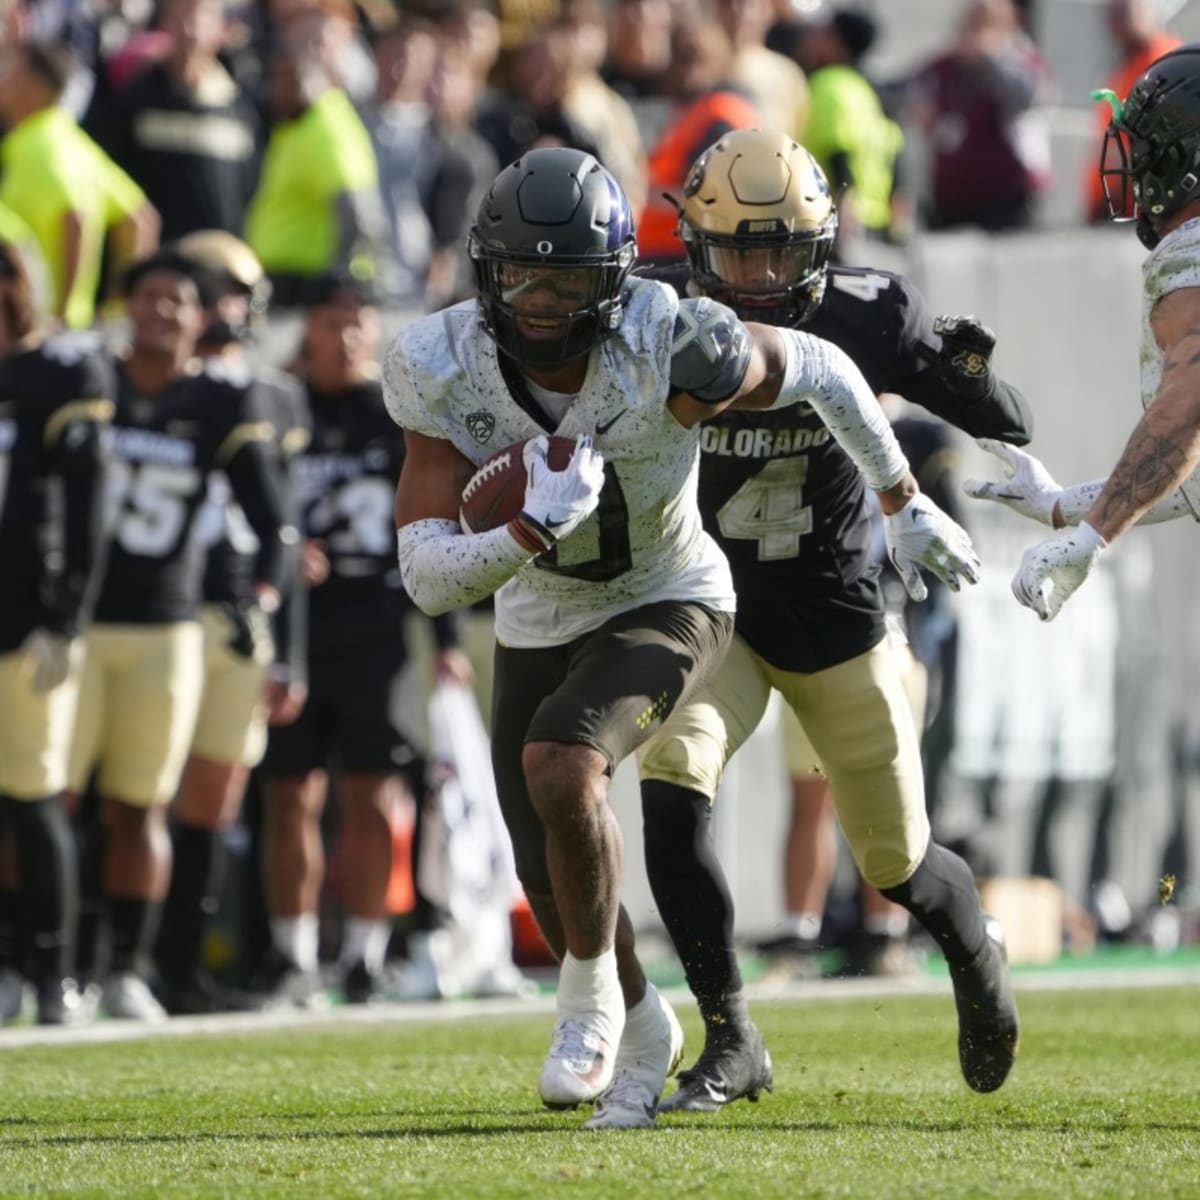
[948, 384]
[444, 568]
[76, 437]
[822, 375]
[246, 458]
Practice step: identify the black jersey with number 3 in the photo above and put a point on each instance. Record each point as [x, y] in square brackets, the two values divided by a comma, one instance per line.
[165, 447]
[345, 481]
[786, 504]
[55, 398]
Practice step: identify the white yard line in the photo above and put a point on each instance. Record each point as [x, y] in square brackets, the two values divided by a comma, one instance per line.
[1074, 979]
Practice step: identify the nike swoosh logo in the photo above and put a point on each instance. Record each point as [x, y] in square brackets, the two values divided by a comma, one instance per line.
[555, 524]
[609, 424]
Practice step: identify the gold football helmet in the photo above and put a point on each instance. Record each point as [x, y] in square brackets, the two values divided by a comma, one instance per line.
[759, 222]
[231, 262]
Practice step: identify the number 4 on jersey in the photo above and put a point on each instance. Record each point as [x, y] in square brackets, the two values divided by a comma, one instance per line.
[769, 509]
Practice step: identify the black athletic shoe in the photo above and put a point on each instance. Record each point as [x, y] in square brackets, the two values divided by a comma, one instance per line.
[790, 959]
[988, 1031]
[201, 994]
[360, 986]
[878, 956]
[59, 1002]
[736, 1066]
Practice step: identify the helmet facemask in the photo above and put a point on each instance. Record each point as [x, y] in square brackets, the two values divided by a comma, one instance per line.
[759, 225]
[545, 310]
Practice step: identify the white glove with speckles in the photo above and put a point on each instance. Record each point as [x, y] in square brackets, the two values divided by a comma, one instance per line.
[1051, 571]
[921, 535]
[1027, 488]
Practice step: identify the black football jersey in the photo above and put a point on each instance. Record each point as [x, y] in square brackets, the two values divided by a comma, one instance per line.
[345, 492]
[165, 447]
[232, 547]
[55, 398]
[788, 506]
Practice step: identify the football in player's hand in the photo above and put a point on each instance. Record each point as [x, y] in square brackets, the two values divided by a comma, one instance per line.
[496, 492]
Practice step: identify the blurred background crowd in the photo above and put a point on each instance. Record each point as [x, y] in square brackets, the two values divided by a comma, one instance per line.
[354, 140]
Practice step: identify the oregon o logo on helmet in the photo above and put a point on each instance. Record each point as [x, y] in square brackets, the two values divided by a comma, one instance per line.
[545, 247]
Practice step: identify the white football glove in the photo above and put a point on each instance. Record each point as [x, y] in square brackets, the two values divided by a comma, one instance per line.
[48, 659]
[558, 502]
[1051, 571]
[1027, 488]
[921, 535]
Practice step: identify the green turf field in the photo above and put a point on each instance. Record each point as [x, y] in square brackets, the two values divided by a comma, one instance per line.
[1105, 1101]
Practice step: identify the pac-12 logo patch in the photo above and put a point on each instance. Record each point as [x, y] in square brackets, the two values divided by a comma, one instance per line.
[481, 426]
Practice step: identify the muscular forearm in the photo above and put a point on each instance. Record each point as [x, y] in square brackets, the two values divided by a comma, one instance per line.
[444, 568]
[1160, 455]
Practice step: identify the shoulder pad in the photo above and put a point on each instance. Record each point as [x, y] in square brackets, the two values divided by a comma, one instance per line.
[710, 351]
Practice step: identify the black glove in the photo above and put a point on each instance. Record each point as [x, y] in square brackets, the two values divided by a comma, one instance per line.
[965, 361]
[251, 637]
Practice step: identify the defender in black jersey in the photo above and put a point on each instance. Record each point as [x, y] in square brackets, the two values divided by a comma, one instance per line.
[789, 510]
[353, 724]
[55, 408]
[230, 732]
[175, 423]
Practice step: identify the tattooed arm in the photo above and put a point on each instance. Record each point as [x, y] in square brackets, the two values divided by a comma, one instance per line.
[1162, 452]
[1164, 449]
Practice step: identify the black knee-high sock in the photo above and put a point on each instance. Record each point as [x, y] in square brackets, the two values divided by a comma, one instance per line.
[90, 927]
[192, 900]
[693, 897]
[49, 882]
[10, 907]
[131, 921]
[941, 894]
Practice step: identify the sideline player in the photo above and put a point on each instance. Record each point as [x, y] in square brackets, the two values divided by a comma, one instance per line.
[352, 725]
[143, 669]
[1153, 141]
[230, 734]
[786, 506]
[612, 604]
[55, 406]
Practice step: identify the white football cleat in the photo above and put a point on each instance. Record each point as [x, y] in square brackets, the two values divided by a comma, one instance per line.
[642, 1067]
[581, 1060]
[126, 997]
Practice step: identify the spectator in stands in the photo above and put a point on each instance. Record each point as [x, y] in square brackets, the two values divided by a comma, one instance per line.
[706, 107]
[1139, 39]
[639, 53]
[848, 132]
[65, 188]
[317, 207]
[603, 113]
[401, 125]
[775, 83]
[989, 149]
[532, 111]
[184, 130]
[468, 168]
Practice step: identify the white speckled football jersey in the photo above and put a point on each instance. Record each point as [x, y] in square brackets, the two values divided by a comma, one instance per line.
[1173, 264]
[645, 542]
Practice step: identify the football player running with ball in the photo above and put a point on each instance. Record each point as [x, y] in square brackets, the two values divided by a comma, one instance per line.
[612, 603]
[782, 500]
[1152, 144]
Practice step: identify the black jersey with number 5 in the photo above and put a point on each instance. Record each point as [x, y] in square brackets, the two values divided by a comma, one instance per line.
[786, 504]
[165, 448]
[55, 403]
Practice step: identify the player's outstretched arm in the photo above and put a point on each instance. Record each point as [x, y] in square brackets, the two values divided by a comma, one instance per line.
[1162, 452]
[1029, 489]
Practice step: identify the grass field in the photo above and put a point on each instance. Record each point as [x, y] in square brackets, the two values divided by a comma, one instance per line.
[1105, 1101]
